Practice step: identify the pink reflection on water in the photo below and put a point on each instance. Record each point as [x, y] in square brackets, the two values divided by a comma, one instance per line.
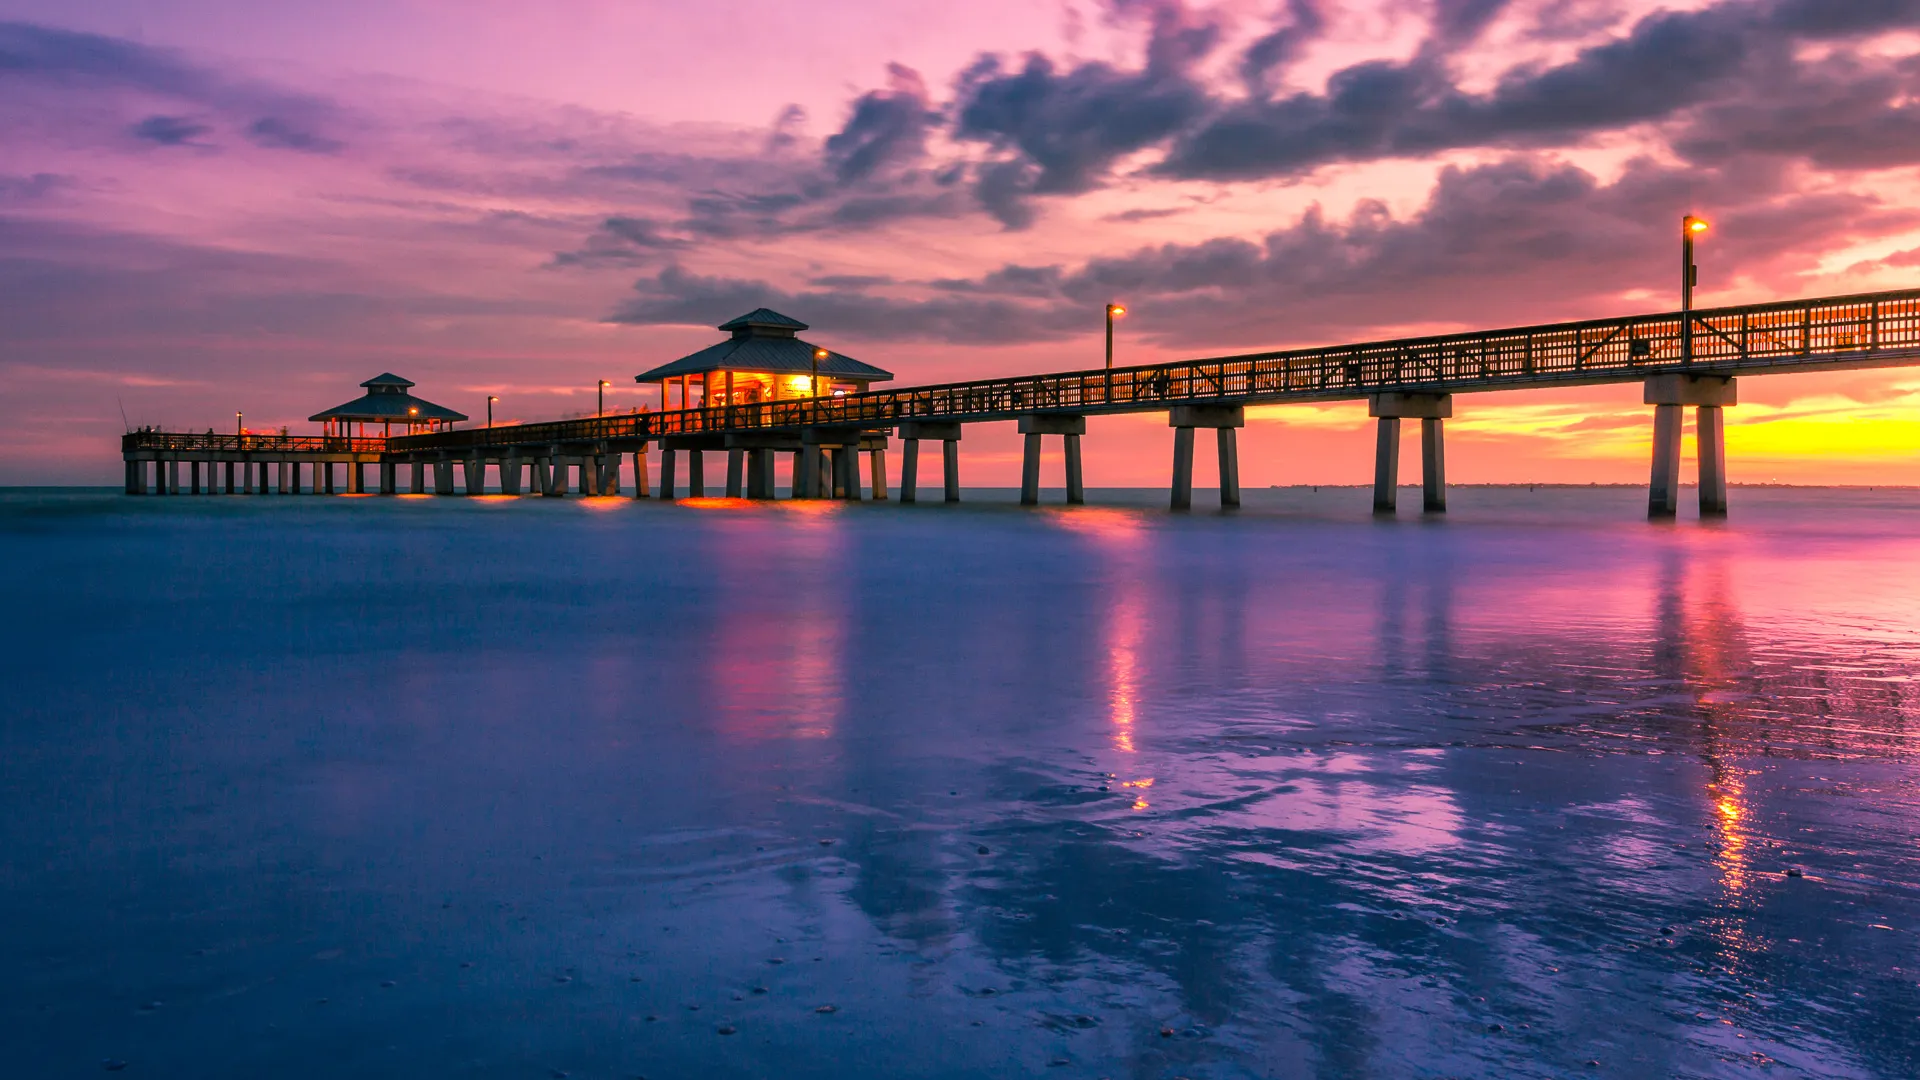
[1120, 537]
[776, 669]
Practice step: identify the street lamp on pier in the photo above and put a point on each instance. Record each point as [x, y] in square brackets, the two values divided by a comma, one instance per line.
[1690, 227]
[490, 400]
[1114, 311]
[601, 408]
[239, 428]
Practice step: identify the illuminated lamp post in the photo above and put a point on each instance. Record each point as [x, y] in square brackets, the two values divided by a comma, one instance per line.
[412, 411]
[490, 400]
[600, 409]
[1114, 311]
[239, 428]
[1690, 227]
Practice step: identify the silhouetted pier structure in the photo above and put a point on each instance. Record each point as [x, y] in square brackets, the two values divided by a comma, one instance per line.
[1683, 361]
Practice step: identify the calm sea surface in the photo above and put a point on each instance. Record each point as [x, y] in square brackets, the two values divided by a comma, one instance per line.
[303, 787]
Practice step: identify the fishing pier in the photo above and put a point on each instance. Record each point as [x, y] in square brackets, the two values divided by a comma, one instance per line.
[829, 416]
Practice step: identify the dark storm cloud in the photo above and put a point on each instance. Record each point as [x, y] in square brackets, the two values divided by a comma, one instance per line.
[78, 83]
[31, 186]
[1840, 113]
[1273, 51]
[277, 133]
[887, 128]
[1514, 241]
[1067, 128]
[28, 51]
[621, 241]
[169, 130]
[1666, 64]
[679, 298]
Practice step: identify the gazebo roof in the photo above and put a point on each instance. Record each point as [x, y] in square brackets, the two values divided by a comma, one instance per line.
[387, 401]
[763, 340]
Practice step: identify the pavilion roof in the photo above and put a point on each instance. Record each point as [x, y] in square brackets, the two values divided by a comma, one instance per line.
[387, 400]
[763, 340]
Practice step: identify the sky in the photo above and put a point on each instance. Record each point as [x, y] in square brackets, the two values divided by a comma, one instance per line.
[210, 207]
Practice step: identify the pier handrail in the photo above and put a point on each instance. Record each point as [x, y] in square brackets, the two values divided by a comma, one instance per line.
[188, 442]
[1861, 330]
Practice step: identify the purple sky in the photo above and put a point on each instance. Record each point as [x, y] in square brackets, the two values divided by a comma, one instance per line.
[215, 206]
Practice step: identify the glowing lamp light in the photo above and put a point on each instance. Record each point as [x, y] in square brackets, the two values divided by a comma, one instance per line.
[1695, 225]
[1116, 310]
[820, 354]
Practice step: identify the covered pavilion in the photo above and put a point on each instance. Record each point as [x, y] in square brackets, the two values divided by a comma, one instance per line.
[764, 359]
[389, 403]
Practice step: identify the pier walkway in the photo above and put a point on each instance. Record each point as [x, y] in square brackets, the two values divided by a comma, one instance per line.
[1683, 360]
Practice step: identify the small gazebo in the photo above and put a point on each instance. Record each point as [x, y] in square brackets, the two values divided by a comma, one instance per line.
[389, 403]
[763, 360]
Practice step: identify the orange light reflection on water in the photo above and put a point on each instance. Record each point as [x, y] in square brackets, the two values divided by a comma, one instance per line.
[1119, 535]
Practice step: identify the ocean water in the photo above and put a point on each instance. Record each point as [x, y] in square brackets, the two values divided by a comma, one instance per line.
[488, 787]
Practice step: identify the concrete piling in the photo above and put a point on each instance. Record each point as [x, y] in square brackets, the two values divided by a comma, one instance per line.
[1223, 419]
[1670, 395]
[909, 469]
[1429, 409]
[1182, 468]
[736, 472]
[1035, 427]
[668, 461]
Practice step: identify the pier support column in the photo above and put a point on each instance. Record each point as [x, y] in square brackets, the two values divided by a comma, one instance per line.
[1429, 409]
[326, 468]
[948, 432]
[583, 481]
[758, 461]
[1182, 468]
[510, 468]
[283, 469]
[1670, 395]
[474, 472]
[668, 461]
[877, 472]
[1710, 439]
[417, 483]
[357, 477]
[229, 477]
[736, 472]
[1223, 419]
[136, 477]
[640, 489]
[808, 467]
[1663, 487]
[1227, 444]
[610, 474]
[389, 478]
[1386, 466]
[1076, 483]
[1034, 427]
[193, 478]
[1030, 470]
[909, 469]
[696, 474]
[1433, 465]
